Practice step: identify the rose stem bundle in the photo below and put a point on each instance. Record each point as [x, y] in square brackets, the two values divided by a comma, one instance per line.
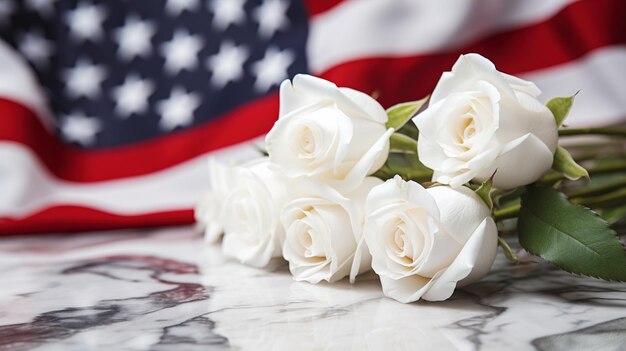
[593, 131]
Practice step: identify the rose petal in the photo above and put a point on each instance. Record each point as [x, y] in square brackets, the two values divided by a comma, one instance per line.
[486, 254]
[340, 214]
[364, 105]
[461, 210]
[429, 152]
[405, 290]
[206, 213]
[442, 250]
[519, 84]
[527, 115]
[250, 214]
[304, 90]
[478, 254]
[311, 269]
[522, 161]
[394, 190]
[371, 161]
[362, 258]
[307, 89]
[327, 116]
[465, 72]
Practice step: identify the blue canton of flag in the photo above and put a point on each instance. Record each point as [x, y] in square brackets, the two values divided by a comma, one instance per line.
[119, 72]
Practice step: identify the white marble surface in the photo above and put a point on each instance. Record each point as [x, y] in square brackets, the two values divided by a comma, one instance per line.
[164, 290]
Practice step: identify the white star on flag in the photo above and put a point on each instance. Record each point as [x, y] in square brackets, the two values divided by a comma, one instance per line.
[85, 21]
[177, 110]
[84, 79]
[272, 68]
[272, 17]
[43, 7]
[175, 7]
[227, 65]
[132, 96]
[79, 128]
[227, 12]
[6, 10]
[36, 48]
[134, 38]
[182, 51]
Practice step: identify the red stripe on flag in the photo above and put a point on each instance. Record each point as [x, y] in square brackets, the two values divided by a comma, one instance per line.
[316, 7]
[567, 36]
[67, 162]
[65, 218]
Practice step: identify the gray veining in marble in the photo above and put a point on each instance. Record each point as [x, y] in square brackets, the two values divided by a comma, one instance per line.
[165, 290]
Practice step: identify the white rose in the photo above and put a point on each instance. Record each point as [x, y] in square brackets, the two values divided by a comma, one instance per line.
[208, 211]
[425, 242]
[251, 214]
[480, 120]
[324, 232]
[336, 135]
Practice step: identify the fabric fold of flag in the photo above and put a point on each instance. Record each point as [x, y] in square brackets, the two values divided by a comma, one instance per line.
[109, 109]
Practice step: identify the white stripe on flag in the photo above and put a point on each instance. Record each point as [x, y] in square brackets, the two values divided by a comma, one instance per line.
[27, 187]
[373, 28]
[601, 78]
[18, 83]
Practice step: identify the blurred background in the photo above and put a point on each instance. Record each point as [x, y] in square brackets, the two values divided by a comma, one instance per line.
[108, 109]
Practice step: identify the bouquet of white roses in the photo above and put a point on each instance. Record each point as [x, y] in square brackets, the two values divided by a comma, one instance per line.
[420, 192]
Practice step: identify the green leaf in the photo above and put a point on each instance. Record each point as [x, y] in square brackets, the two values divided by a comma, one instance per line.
[570, 236]
[484, 191]
[560, 106]
[401, 143]
[400, 114]
[565, 164]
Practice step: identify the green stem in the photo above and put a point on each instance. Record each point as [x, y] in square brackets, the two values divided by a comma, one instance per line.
[597, 131]
[594, 155]
[508, 252]
[614, 198]
[609, 143]
[597, 190]
[507, 213]
[590, 157]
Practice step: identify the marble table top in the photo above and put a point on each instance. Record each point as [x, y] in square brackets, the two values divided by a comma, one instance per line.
[166, 290]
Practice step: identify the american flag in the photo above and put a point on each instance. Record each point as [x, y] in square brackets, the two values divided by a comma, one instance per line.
[108, 109]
